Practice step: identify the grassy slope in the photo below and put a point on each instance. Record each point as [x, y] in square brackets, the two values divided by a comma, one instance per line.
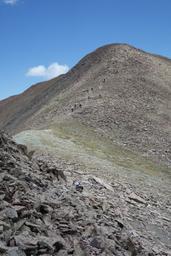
[73, 140]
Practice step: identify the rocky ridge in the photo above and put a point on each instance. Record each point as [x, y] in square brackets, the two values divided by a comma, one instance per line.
[49, 210]
[118, 90]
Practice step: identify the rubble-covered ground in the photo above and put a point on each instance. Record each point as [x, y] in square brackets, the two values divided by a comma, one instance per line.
[49, 210]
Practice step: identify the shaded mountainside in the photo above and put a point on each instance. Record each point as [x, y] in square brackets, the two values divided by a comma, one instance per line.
[49, 208]
[119, 91]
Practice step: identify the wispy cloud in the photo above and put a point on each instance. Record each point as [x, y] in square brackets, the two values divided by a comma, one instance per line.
[10, 2]
[49, 72]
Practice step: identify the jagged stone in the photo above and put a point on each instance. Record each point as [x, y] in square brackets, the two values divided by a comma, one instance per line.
[136, 198]
[16, 252]
[3, 248]
[11, 213]
[44, 216]
[19, 224]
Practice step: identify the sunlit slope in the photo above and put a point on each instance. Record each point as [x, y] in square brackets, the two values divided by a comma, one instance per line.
[75, 141]
[120, 92]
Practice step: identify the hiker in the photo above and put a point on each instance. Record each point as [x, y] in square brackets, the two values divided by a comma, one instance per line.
[78, 186]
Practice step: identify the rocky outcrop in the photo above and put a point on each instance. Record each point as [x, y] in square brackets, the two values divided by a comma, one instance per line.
[42, 212]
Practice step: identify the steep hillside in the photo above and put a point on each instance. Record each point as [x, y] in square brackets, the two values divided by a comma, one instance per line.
[120, 92]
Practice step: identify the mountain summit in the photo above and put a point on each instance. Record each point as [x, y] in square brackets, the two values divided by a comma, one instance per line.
[94, 178]
[120, 92]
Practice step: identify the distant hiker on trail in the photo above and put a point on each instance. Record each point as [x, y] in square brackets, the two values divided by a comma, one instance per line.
[78, 186]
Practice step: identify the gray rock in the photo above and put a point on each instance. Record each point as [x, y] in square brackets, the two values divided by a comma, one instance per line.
[11, 213]
[16, 252]
[63, 253]
[3, 248]
[136, 198]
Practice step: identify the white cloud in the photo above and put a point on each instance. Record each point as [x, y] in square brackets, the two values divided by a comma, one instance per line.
[37, 71]
[11, 2]
[49, 72]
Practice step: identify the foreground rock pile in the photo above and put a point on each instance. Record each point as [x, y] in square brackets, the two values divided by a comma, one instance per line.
[44, 212]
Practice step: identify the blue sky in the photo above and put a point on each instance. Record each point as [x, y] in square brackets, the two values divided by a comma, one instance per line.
[43, 38]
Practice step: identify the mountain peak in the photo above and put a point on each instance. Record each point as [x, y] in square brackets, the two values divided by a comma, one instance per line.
[118, 89]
